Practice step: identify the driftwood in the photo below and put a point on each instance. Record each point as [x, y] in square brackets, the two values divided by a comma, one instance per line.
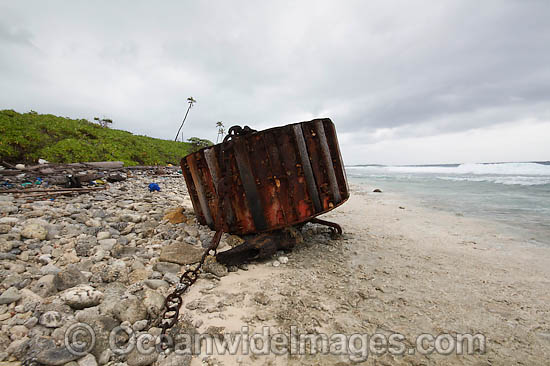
[53, 190]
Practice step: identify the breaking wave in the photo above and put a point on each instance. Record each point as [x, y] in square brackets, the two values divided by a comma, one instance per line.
[501, 173]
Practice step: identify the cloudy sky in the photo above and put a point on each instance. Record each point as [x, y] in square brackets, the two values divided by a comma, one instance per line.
[406, 82]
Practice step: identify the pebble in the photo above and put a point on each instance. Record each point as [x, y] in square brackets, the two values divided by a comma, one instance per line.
[10, 295]
[45, 286]
[130, 309]
[45, 258]
[103, 235]
[51, 319]
[55, 249]
[165, 267]
[50, 268]
[107, 244]
[82, 296]
[31, 322]
[283, 260]
[88, 360]
[34, 231]
[155, 284]
[139, 325]
[56, 356]
[67, 278]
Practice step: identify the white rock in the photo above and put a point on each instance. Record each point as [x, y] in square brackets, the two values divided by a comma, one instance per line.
[107, 244]
[9, 220]
[131, 218]
[276, 263]
[20, 166]
[34, 231]
[139, 325]
[103, 235]
[93, 223]
[51, 319]
[283, 260]
[82, 296]
[105, 357]
[88, 360]
[45, 258]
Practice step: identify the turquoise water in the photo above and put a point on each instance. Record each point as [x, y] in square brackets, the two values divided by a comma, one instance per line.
[515, 194]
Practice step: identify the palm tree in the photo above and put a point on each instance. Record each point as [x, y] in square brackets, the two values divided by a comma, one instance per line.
[191, 101]
[221, 130]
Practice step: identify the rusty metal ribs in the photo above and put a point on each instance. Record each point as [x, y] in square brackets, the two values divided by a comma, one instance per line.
[278, 177]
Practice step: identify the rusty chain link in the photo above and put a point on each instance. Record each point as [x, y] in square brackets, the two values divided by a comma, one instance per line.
[174, 301]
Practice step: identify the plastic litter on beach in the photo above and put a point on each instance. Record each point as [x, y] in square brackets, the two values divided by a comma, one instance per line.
[154, 187]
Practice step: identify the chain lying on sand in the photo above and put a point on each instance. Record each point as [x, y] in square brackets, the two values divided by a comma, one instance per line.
[174, 301]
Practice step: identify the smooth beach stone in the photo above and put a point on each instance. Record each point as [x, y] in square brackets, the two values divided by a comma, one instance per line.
[10, 295]
[51, 319]
[82, 296]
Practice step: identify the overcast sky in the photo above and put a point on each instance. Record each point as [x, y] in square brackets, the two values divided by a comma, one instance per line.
[405, 82]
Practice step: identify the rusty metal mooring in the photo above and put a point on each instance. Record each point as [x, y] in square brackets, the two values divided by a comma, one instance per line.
[256, 182]
[273, 178]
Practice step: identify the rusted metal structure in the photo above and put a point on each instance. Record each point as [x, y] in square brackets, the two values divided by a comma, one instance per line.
[273, 178]
[258, 182]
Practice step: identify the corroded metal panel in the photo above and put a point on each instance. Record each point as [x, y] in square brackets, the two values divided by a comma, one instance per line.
[269, 179]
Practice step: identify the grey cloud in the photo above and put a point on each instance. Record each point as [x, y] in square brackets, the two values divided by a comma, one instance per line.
[15, 35]
[419, 68]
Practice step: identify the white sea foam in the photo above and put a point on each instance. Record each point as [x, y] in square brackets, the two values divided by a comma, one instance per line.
[509, 180]
[524, 169]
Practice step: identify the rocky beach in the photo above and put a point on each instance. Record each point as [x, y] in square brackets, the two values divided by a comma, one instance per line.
[108, 259]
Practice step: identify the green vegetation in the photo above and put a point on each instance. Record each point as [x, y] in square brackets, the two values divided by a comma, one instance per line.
[197, 143]
[24, 138]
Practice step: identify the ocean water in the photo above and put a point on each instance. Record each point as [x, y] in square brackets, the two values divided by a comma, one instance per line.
[514, 194]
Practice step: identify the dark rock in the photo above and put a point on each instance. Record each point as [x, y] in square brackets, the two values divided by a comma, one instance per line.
[377, 190]
[67, 278]
[56, 356]
[84, 247]
[35, 346]
[8, 256]
[215, 268]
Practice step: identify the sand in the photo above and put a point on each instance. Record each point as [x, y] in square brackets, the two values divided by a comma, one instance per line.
[398, 268]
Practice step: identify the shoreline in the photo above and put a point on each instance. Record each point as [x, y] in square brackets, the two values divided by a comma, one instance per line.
[520, 232]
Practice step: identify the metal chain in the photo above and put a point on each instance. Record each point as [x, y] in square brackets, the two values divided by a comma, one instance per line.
[173, 302]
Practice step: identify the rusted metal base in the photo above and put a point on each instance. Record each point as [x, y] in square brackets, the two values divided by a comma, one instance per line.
[335, 229]
[260, 246]
[265, 245]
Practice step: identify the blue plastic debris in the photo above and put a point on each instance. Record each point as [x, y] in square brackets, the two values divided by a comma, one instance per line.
[154, 187]
[38, 181]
